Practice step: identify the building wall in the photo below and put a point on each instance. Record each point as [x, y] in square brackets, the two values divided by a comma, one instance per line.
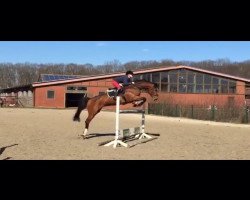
[240, 88]
[237, 99]
[94, 87]
[41, 100]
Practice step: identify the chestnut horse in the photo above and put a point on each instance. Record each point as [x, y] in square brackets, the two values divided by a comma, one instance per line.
[131, 94]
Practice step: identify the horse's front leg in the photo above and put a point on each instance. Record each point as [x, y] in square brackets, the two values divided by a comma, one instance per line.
[139, 101]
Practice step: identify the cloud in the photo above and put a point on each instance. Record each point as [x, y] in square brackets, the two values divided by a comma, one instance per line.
[145, 50]
[101, 44]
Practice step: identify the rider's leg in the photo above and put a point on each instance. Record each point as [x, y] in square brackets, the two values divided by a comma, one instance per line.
[117, 86]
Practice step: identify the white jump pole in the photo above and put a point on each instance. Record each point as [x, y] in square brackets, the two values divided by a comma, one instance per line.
[117, 141]
[117, 118]
[143, 134]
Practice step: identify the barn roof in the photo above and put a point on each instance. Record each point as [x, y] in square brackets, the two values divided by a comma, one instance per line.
[104, 76]
[56, 77]
[16, 88]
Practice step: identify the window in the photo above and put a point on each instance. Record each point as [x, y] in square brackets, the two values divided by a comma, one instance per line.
[146, 77]
[207, 79]
[71, 88]
[190, 77]
[224, 89]
[224, 86]
[215, 85]
[215, 89]
[207, 89]
[164, 87]
[215, 81]
[190, 88]
[74, 87]
[173, 77]
[182, 78]
[199, 88]
[156, 77]
[182, 88]
[224, 82]
[136, 77]
[50, 94]
[232, 87]
[199, 79]
[164, 77]
[81, 88]
[164, 81]
[173, 87]
[187, 81]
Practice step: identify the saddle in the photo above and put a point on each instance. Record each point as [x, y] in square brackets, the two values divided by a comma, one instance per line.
[113, 92]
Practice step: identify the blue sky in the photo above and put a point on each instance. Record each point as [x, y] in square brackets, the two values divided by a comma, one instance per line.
[99, 52]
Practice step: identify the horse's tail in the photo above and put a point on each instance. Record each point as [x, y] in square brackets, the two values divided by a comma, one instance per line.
[81, 106]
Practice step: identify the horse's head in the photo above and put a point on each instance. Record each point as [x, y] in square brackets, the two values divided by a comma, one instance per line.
[151, 88]
[153, 91]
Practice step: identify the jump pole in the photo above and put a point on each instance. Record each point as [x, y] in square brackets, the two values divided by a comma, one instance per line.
[117, 141]
[142, 134]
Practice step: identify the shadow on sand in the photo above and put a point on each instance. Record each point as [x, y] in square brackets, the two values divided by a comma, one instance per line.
[8, 158]
[2, 149]
[93, 135]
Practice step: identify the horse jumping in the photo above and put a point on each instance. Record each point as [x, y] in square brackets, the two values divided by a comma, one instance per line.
[131, 95]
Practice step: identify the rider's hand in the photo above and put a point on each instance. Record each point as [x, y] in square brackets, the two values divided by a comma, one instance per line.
[132, 82]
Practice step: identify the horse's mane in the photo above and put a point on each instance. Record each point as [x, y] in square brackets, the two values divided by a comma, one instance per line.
[145, 81]
[142, 80]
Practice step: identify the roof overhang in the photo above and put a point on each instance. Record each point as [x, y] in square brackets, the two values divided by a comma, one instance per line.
[89, 78]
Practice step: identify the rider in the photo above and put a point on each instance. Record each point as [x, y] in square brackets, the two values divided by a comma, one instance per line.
[119, 82]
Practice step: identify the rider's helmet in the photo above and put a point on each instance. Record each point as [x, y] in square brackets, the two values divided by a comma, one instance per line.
[129, 72]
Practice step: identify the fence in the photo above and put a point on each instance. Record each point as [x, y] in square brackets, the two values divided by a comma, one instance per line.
[14, 101]
[212, 113]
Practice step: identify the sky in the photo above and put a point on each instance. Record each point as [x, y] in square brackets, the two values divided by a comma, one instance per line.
[100, 52]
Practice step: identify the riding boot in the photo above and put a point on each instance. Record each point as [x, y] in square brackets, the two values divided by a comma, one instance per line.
[120, 91]
[116, 93]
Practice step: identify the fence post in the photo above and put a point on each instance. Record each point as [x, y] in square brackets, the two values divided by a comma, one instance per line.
[180, 111]
[212, 113]
[176, 110]
[246, 115]
[192, 111]
[162, 109]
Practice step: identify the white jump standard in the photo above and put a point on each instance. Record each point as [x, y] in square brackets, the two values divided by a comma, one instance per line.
[142, 133]
[131, 133]
[117, 141]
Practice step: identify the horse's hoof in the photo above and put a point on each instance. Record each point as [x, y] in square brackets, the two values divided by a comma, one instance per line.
[76, 119]
[82, 136]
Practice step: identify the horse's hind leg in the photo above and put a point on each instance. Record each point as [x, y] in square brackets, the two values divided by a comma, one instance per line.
[91, 115]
